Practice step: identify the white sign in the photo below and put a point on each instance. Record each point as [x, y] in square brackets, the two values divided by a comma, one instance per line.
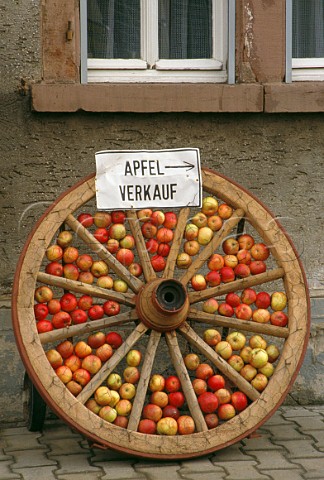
[127, 179]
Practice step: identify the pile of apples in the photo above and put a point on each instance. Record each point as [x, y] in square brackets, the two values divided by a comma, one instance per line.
[254, 359]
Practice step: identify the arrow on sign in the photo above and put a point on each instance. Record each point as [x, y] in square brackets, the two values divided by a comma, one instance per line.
[188, 166]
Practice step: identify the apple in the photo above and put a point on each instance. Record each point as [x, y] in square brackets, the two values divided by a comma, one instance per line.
[263, 300]
[157, 217]
[54, 306]
[230, 246]
[117, 231]
[260, 251]
[226, 411]
[131, 374]
[111, 308]
[64, 373]
[245, 354]
[205, 234]
[191, 247]
[84, 262]
[191, 231]
[210, 305]
[242, 271]
[158, 263]
[120, 286]
[82, 349]
[258, 357]
[213, 278]
[273, 352]
[164, 235]
[123, 407]
[54, 268]
[183, 260]
[199, 385]
[236, 362]
[74, 387]
[244, 256]
[223, 395]
[68, 302]
[204, 371]
[104, 352]
[102, 395]
[230, 261]
[278, 301]
[85, 302]
[257, 266]
[164, 249]
[147, 426]
[239, 401]
[248, 372]
[125, 256]
[40, 311]
[144, 215]
[177, 399]
[44, 326]
[237, 340]
[171, 411]
[92, 363]
[127, 391]
[115, 397]
[227, 274]
[215, 223]
[114, 339]
[216, 382]
[225, 211]
[148, 230]
[156, 383]
[209, 206]
[112, 245]
[81, 376]
[54, 253]
[118, 216]
[114, 381]
[86, 277]
[212, 336]
[259, 382]
[133, 358]
[200, 220]
[152, 245]
[191, 361]
[105, 281]
[73, 362]
[233, 299]
[71, 271]
[215, 262]
[211, 420]
[61, 320]
[96, 339]
[102, 235]
[225, 309]
[261, 315]
[86, 219]
[279, 319]
[208, 402]
[135, 269]
[246, 241]
[65, 348]
[96, 312]
[64, 238]
[99, 268]
[70, 254]
[198, 282]
[108, 413]
[170, 220]
[167, 426]
[152, 412]
[224, 349]
[243, 312]
[121, 422]
[248, 296]
[186, 425]
[102, 219]
[257, 341]
[54, 357]
[267, 369]
[92, 405]
[159, 398]
[172, 384]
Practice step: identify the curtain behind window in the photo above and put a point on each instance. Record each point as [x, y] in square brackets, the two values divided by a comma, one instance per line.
[308, 28]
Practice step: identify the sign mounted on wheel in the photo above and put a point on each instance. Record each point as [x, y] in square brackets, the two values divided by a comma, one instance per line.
[134, 179]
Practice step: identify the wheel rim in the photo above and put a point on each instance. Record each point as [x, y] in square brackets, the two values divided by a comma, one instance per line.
[32, 345]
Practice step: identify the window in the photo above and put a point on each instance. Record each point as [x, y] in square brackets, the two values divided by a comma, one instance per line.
[154, 40]
[307, 43]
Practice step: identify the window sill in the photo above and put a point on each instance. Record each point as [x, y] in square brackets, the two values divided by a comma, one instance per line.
[294, 97]
[147, 98]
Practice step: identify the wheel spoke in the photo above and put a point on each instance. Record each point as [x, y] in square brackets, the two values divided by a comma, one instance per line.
[112, 363]
[182, 372]
[246, 325]
[219, 362]
[139, 399]
[135, 227]
[177, 238]
[133, 282]
[212, 245]
[240, 284]
[87, 327]
[86, 289]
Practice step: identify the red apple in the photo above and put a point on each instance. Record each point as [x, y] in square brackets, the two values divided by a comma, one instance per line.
[44, 326]
[73, 362]
[159, 398]
[213, 278]
[131, 374]
[65, 348]
[158, 263]
[114, 339]
[102, 235]
[96, 312]
[164, 249]
[230, 246]
[40, 311]
[61, 320]
[125, 256]
[152, 412]
[227, 274]
[215, 223]
[244, 256]
[171, 411]
[223, 396]
[118, 216]
[54, 268]
[170, 220]
[54, 253]
[215, 382]
[111, 308]
[64, 373]
[92, 363]
[239, 401]
[84, 262]
[85, 302]
[68, 302]
[172, 384]
[199, 385]
[261, 315]
[71, 271]
[215, 262]
[54, 306]
[82, 349]
[191, 247]
[208, 402]
[86, 277]
[135, 269]
[191, 231]
[260, 251]
[147, 426]
[104, 352]
[279, 319]
[233, 299]
[263, 300]
[121, 421]
[102, 219]
[152, 245]
[257, 266]
[230, 261]
[242, 271]
[186, 425]
[96, 339]
[211, 420]
[70, 254]
[248, 296]
[225, 309]
[157, 217]
[177, 399]
[86, 219]
[148, 230]
[246, 241]
[144, 215]
[112, 245]
[212, 336]
[204, 371]
[164, 235]
[198, 282]
[225, 211]
[243, 312]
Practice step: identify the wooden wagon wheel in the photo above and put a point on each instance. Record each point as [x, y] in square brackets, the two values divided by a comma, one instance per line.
[163, 311]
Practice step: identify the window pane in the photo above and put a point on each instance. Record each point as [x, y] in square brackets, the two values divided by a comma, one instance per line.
[114, 29]
[308, 28]
[185, 29]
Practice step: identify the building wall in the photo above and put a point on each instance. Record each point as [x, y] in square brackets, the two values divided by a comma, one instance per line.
[278, 157]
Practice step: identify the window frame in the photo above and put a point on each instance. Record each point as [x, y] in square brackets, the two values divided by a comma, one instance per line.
[214, 70]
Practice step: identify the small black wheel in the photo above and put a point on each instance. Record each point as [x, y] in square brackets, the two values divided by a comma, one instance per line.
[34, 407]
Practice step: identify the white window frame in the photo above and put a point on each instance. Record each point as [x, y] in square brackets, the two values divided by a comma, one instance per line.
[219, 69]
[300, 69]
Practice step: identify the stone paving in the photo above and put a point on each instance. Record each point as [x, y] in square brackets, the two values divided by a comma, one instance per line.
[289, 446]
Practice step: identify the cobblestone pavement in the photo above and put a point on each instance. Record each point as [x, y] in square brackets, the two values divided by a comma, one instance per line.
[289, 446]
